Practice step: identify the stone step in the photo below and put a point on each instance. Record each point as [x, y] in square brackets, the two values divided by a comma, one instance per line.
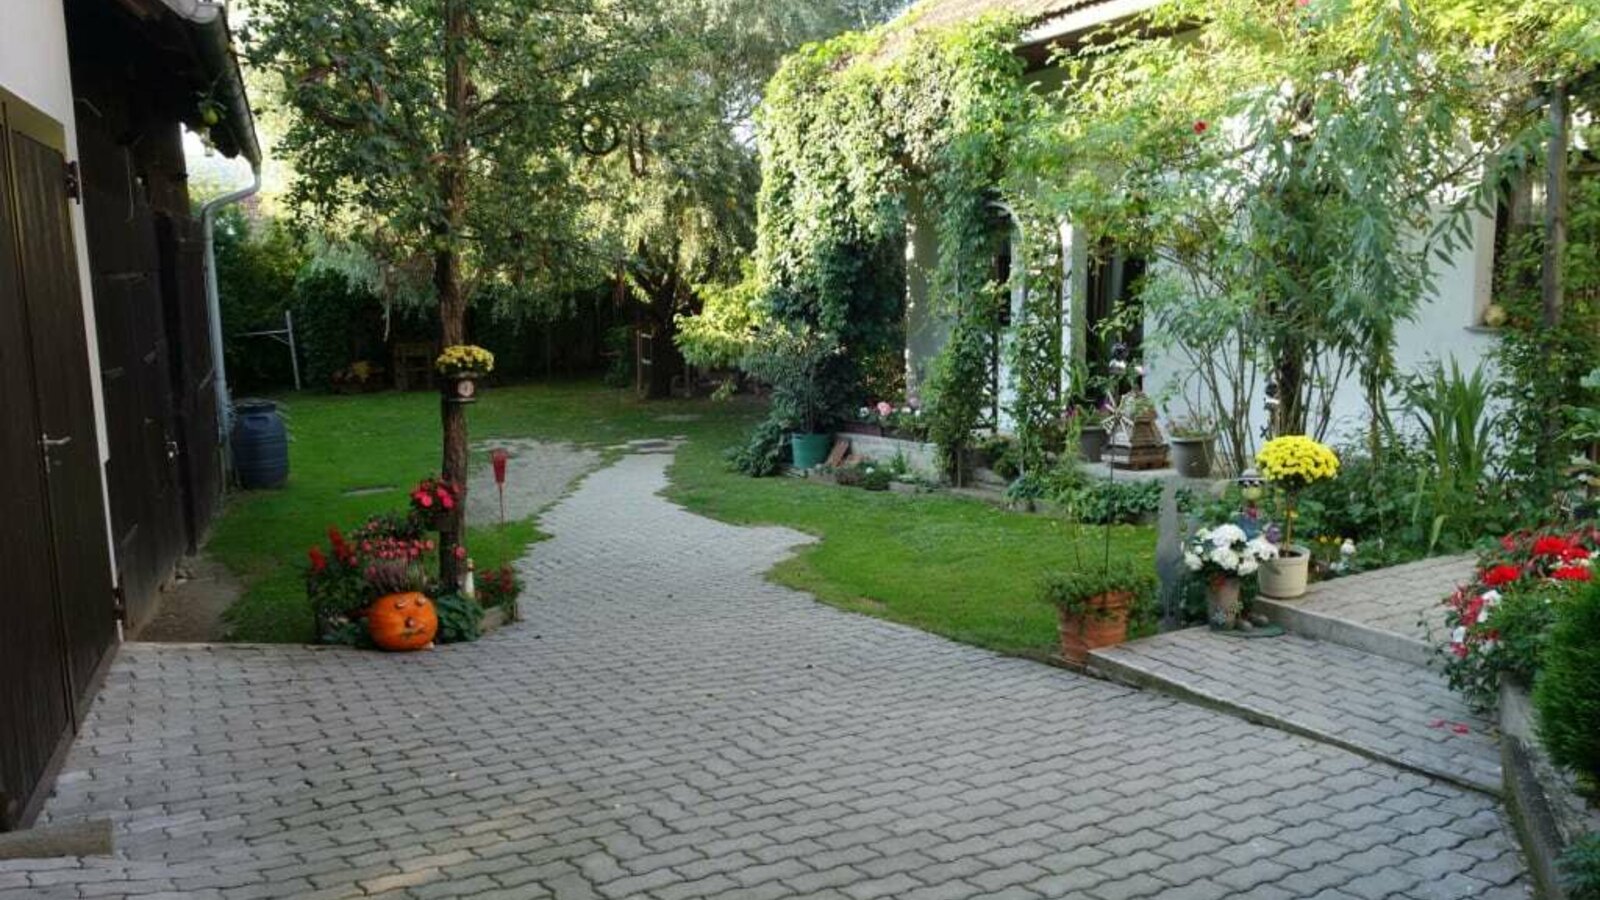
[1373, 705]
[1397, 612]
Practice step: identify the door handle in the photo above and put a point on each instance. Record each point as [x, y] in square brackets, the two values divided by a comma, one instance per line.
[172, 450]
[48, 442]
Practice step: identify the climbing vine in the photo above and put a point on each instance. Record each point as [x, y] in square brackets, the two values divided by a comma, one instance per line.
[848, 129]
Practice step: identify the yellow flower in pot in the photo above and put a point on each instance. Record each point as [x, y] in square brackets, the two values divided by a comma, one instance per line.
[1290, 464]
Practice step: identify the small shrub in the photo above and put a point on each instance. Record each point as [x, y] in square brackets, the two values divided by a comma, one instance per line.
[459, 619]
[500, 587]
[1499, 624]
[1071, 591]
[1580, 868]
[1567, 693]
[874, 478]
[1106, 502]
[762, 454]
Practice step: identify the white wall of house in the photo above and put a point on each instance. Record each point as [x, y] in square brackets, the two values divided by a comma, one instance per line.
[34, 66]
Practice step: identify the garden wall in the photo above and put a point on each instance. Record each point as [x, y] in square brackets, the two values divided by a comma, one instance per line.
[921, 458]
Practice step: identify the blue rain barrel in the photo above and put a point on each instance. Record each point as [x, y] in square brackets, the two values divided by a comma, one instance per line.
[260, 445]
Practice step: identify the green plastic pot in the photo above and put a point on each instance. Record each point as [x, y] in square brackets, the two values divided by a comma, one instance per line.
[810, 449]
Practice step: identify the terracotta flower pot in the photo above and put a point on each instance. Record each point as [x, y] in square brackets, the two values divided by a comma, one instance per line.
[1102, 623]
[1222, 601]
[1285, 578]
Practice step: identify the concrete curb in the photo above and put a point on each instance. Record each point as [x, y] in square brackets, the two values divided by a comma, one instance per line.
[1344, 632]
[1123, 673]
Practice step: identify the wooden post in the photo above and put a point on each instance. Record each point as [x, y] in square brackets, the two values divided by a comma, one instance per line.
[1555, 207]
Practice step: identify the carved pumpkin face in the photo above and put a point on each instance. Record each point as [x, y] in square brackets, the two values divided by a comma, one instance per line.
[402, 621]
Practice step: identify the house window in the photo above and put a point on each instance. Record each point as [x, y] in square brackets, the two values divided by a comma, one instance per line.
[1517, 214]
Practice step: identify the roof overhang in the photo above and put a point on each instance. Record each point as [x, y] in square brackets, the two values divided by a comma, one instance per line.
[201, 28]
[1076, 26]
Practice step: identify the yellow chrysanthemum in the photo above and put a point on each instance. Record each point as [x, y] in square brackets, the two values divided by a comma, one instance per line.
[1295, 461]
[462, 359]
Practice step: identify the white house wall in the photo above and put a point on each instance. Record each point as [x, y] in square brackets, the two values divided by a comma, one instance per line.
[34, 66]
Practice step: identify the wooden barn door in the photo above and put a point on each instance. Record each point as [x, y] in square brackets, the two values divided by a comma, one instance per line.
[59, 609]
[147, 508]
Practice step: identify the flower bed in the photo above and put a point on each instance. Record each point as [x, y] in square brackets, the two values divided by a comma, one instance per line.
[390, 558]
[1500, 623]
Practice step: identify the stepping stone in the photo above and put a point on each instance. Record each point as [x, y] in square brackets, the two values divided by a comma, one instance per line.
[1382, 708]
[650, 445]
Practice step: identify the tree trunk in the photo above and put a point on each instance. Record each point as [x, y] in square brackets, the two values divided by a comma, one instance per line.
[447, 281]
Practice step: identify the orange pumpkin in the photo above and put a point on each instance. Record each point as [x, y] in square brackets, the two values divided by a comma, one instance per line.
[402, 621]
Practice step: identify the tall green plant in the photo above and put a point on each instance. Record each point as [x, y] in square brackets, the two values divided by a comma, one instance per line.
[1453, 410]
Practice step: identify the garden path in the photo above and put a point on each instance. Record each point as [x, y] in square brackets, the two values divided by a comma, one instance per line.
[668, 724]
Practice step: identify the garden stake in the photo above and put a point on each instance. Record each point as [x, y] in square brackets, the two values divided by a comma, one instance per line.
[498, 457]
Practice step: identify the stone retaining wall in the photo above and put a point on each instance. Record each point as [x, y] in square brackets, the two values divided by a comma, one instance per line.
[922, 458]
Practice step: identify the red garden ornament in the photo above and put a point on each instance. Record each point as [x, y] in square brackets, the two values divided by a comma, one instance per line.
[499, 457]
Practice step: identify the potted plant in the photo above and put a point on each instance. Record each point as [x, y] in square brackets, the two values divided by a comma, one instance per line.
[1092, 608]
[1224, 556]
[462, 365]
[795, 362]
[1289, 464]
[1192, 439]
[1089, 421]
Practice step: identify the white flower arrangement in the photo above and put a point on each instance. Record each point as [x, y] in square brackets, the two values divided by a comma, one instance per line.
[1227, 550]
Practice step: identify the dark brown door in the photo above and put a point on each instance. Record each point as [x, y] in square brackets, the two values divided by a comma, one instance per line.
[147, 510]
[58, 612]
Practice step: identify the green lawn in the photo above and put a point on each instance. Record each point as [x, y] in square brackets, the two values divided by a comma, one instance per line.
[948, 565]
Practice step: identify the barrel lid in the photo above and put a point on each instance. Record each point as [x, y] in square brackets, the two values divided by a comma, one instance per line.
[254, 405]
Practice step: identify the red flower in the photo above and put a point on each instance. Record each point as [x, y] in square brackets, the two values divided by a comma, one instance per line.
[319, 562]
[1200, 126]
[425, 500]
[1550, 545]
[460, 552]
[1571, 573]
[446, 501]
[1574, 553]
[1500, 575]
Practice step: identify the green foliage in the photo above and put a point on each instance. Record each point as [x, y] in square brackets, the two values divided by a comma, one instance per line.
[954, 402]
[1100, 501]
[1580, 868]
[1541, 369]
[459, 618]
[1522, 619]
[1072, 591]
[1452, 409]
[471, 183]
[1567, 693]
[258, 260]
[761, 454]
[803, 367]
[336, 323]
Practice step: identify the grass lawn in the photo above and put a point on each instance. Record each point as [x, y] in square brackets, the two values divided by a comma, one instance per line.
[948, 565]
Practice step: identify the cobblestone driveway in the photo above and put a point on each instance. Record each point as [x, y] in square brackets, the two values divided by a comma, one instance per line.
[666, 724]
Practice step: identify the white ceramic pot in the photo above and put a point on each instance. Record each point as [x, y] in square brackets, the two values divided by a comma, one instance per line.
[1284, 578]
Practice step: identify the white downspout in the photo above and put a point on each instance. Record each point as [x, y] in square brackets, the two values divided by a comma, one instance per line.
[219, 374]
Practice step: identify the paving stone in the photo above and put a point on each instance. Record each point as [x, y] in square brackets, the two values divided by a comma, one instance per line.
[669, 724]
[1394, 710]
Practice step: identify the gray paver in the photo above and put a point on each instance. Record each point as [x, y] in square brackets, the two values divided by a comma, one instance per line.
[1394, 710]
[663, 698]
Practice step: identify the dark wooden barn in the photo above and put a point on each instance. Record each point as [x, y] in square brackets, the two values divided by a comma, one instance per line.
[112, 441]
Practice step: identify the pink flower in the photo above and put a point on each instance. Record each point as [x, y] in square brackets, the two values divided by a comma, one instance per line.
[460, 552]
[885, 408]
